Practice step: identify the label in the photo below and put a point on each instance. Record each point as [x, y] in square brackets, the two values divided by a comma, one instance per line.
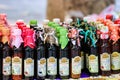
[41, 67]
[105, 61]
[82, 59]
[7, 66]
[52, 66]
[93, 63]
[29, 67]
[16, 66]
[76, 65]
[115, 60]
[64, 66]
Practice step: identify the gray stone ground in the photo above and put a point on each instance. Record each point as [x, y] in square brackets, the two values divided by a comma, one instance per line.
[24, 9]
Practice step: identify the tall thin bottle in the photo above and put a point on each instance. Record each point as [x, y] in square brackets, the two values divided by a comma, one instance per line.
[17, 55]
[64, 70]
[6, 54]
[75, 55]
[29, 46]
[41, 55]
[105, 60]
[51, 42]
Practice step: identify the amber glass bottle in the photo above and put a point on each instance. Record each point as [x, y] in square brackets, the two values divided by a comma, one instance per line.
[17, 56]
[105, 63]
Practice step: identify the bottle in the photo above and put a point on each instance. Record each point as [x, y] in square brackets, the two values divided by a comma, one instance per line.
[17, 55]
[41, 55]
[75, 55]
[29, 46]
[64, 54]
[1, 55]
[93, 61]
[105, 60]
[51, 45]
[6, 54]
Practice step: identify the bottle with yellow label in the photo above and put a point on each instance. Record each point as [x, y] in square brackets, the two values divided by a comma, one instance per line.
[6, 68]
[41, 55]
[51, 48]
[29, 45]
[105, 52]
[93, 61]
[75, 54]
[17, 47]
[115, 58]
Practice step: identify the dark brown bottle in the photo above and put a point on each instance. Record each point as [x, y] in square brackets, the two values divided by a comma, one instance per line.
[93, 61]
[41, 55]
[75, 62]
[115, 58]
[6, 54]
[29, 46]
[64, 63]
[52, 61]
[17, 56]
[105, 63]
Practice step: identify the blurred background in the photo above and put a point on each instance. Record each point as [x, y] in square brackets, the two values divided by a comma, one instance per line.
[42, 9]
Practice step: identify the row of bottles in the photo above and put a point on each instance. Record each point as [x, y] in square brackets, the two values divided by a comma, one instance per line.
[63, 50]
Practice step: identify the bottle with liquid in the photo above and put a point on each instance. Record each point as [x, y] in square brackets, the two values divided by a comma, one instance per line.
[17, 56]
[93, 61]
[41, 55]
[75, 55]
[29, 46]
[1, 55]
[51, 45]
[64, 69]
[105, 52]
[6, 54]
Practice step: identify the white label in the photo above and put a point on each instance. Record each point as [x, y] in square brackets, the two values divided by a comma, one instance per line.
[16, 66]
[52, 66]
[93, 63]
[29, 67]
[42, 67]
[76, 65]
[115, 60]
[87, 62]
[105, 61]
[82, 60]
[7, 66]
[64, 67]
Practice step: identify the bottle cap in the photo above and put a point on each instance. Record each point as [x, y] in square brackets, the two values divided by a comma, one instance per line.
[68, 21]
[33, 22]
[19, 22]
[56, 20]
[45, 21]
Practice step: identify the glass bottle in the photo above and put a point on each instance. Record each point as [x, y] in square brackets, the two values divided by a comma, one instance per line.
[17, 56]
[6, 54]
[29, 46]
[41, 55]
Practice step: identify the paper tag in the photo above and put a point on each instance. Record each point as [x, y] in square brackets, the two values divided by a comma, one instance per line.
[41, 67]
[16, 66]
[64, 66]
[29, 67]
[82, 59]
